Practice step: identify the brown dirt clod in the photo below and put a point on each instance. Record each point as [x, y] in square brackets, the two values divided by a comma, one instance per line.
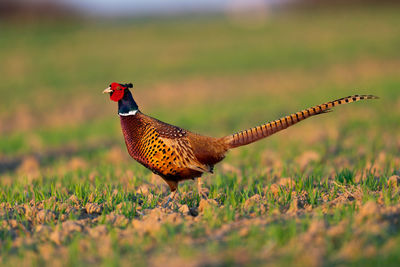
[93, 208]
[207, 203]
[393, 181]
[45, 216]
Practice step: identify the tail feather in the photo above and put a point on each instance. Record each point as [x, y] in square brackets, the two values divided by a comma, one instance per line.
[256, 133]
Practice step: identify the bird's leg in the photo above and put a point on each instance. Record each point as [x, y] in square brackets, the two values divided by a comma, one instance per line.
[203, 192]
[172, 195]
[173, 186]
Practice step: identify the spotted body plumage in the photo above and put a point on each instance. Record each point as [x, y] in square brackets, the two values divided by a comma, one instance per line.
[167, 150]
[177, 154]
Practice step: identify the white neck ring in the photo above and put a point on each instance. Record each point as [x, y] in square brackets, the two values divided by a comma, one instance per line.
[131, 112]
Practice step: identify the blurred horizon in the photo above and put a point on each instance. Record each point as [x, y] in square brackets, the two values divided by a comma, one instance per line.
[153, 7]
[125, 8]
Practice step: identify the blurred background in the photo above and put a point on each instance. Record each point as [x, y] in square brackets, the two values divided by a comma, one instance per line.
[71, 195]
[212, 66]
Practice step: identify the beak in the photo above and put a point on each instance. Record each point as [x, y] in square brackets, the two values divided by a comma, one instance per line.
[107, 90]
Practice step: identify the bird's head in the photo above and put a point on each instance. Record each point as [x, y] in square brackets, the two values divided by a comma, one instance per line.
[117, 90]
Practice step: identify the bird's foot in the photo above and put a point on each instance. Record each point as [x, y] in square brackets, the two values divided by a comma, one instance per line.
[203, 193]
[171, 199]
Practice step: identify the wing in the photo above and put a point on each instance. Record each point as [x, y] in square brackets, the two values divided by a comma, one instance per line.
[170, 152]
[182, 155]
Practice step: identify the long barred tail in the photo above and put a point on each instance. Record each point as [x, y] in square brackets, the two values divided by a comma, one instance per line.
[254, 134]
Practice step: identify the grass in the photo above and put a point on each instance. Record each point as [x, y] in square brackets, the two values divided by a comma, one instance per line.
[322, 193]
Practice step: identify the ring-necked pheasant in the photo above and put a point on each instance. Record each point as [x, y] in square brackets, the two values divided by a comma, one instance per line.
[176, 154]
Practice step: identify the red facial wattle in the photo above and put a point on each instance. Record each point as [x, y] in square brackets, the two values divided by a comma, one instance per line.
[118, 92]
[117, 95]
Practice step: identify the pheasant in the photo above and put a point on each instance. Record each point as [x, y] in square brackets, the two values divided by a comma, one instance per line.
[176, 154]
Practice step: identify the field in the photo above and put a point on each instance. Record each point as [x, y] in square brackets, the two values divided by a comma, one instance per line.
[322, 193]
